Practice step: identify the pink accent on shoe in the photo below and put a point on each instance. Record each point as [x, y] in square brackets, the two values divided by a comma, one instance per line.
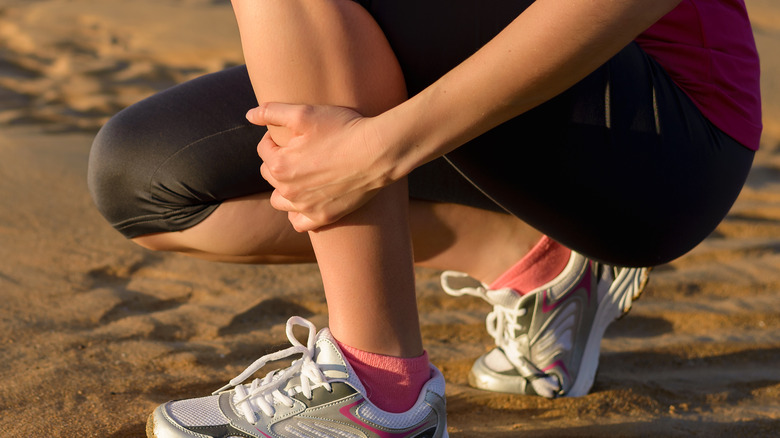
[541, 265]
[558, 364]
[263, 433]
[392, 383]
[346, 411]
[549, 305]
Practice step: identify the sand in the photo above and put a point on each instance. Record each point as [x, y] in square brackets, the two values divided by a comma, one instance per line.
[95, 332]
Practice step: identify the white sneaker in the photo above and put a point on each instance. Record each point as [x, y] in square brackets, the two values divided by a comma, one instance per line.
[548, 340]
[318, 396]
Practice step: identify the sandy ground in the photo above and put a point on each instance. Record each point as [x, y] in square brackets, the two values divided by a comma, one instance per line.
[95, 332]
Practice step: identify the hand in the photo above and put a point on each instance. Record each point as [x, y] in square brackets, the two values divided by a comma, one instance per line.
[323, 161]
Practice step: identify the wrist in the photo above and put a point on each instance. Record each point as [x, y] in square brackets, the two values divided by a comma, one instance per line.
[404, 140]
[389, 141]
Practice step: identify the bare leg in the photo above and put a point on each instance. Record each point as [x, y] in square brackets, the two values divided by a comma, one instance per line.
[241, 230]
[445, 236]
[332, 52]
[479, 242]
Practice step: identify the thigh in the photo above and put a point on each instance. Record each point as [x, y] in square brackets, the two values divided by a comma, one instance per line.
[431, 37]
[622, 167]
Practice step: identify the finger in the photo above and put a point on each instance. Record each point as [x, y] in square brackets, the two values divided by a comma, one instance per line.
[281, 203]
[266, 146]
[301, 223]
[272, 113]
[265, 150]
[266, 174]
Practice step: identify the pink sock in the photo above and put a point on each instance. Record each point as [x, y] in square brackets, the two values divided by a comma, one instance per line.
[392, 383]
[541, 265]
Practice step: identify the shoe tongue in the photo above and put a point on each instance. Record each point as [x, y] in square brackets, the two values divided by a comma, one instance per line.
[328, 356]
[504, 297]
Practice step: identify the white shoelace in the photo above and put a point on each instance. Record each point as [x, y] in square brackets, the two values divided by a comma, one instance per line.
[502, 325]
[262, 394]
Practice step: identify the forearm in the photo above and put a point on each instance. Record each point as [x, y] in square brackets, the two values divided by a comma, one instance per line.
[544, 51]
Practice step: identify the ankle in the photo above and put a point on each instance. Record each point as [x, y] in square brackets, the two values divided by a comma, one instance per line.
[392, 384]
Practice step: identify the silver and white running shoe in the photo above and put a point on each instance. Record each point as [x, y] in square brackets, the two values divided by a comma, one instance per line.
[548, 340]
[318, 396]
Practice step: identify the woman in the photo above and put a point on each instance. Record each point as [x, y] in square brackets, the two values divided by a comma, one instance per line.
[616, 134]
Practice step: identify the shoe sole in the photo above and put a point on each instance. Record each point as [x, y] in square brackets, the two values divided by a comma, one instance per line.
[152, 420]
[150, 427]
[482, 377]
[615, 305]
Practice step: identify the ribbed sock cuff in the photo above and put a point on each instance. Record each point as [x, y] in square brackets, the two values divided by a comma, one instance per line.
[393, 384]
[546, 260]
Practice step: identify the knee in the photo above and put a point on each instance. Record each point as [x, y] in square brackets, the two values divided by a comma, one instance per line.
[110, 168]
[124, 157]
[366, 77]
[149, 175]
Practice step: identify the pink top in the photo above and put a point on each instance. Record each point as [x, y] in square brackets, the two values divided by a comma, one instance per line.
[707, 47]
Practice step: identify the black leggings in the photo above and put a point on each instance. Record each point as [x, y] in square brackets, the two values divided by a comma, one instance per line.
[622, 167]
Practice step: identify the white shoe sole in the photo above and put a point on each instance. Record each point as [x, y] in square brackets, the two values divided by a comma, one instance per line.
[626, 288]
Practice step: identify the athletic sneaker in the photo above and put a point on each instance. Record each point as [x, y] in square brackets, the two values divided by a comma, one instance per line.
[319, 396]
[548, 340]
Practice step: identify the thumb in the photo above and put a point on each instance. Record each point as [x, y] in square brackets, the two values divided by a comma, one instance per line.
[271, 113]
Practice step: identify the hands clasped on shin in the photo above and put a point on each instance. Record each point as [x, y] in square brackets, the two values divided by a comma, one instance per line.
[323, 161]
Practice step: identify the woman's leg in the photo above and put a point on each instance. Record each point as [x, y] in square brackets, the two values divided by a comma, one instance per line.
[331, 52]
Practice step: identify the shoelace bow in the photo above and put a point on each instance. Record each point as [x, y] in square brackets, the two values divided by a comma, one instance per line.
[502, 325]
[263, 393]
